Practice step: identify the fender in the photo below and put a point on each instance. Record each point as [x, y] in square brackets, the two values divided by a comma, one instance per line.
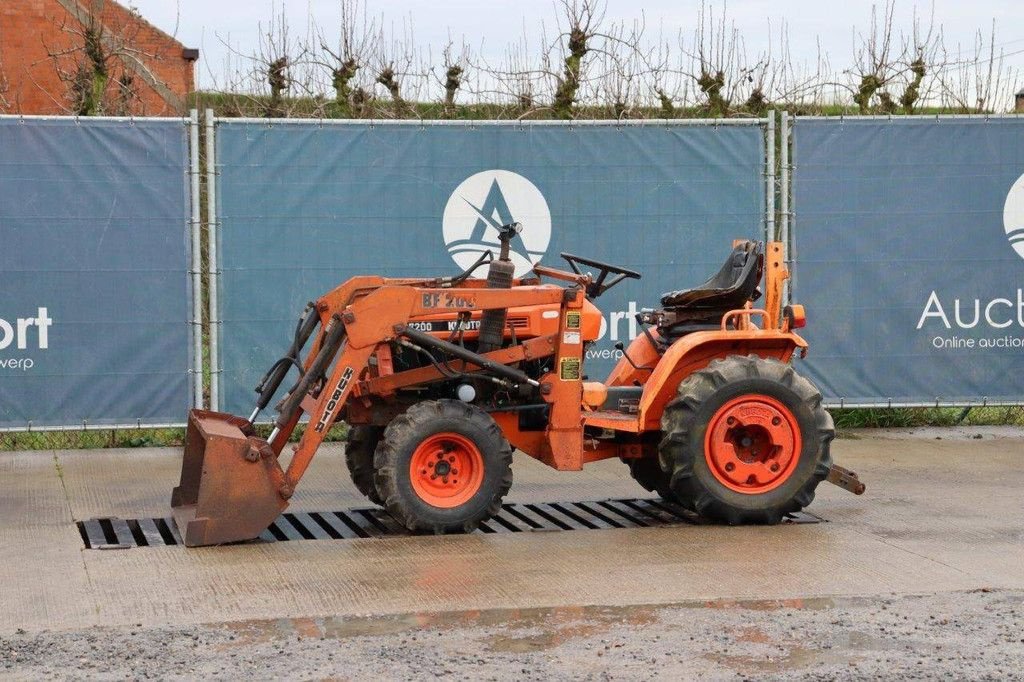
[694, 351]
[644, 354]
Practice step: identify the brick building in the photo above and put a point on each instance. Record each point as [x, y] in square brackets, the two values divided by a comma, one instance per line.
[89, 57]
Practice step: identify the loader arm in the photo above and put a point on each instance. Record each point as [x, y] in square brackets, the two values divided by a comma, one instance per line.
[233, 484]
[381, 317]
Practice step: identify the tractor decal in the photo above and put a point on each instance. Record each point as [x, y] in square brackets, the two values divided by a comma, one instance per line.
[569, 369]
[433, 300]
[335, 400]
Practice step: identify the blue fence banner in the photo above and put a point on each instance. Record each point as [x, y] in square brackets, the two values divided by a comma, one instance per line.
[94, 290]
[909, 249]
[303, 206]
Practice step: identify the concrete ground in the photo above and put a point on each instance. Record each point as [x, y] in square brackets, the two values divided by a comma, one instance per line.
[937, 541]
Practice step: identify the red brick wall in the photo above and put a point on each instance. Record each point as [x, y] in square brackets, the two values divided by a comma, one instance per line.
[33, 31]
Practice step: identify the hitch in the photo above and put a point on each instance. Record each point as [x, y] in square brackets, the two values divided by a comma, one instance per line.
[845, 479]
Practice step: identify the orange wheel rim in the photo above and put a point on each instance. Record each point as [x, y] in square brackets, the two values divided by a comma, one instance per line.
[446, 470]
[752, 444]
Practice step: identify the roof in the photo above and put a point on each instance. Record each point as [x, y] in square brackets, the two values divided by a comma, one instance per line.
[130, 13]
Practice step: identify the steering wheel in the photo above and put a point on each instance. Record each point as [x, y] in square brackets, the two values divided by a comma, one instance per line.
[599, 285]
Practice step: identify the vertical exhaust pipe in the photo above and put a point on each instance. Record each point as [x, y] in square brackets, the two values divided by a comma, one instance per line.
[499, 276]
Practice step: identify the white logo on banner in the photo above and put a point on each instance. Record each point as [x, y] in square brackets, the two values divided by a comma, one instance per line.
[975, 319]
[484, 202]
[1013, 216]
[21, 334]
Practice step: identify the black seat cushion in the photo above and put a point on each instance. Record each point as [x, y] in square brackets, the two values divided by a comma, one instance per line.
[731, 288]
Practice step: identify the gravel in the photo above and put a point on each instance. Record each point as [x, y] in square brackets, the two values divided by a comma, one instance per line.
[974, 635]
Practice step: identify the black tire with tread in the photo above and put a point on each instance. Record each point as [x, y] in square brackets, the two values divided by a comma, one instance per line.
[648, 473]
[399, 442]
[686, 420]
[360, 444]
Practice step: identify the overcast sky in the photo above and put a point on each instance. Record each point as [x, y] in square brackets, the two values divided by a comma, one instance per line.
[487, 26]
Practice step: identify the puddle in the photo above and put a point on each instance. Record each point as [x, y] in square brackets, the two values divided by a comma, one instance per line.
[530, 629]
[764, 654]
[538, 628]
[527, 643]
[790, 658]
[809, 604]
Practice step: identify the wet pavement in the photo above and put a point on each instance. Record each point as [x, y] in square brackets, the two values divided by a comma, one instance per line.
[941, 518]
[972, 635]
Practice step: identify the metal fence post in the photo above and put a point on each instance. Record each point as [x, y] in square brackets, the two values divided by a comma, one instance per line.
[769, 185]
[197, 265]
[211, 255]
[784, 214]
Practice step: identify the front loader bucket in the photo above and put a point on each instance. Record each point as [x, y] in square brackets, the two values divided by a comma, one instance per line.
[229, 482]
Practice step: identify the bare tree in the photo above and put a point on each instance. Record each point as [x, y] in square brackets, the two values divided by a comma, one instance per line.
[664, 81]
[514, 86]
[890, 69]
[582, 16]
[92, 58]
[279, 78]
[724, 80]
[4, 85]
[276, 60]
[801, 86]
[715, 56]
[874, 66]
[455, 65]
[978, 79]
[103, 61]
[357, 42]
[397, 66]
[923, 52]
[5, 105]
[591, 63]
[588, 66]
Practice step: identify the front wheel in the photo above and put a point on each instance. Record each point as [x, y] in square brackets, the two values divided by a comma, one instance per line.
[443, 467]
[746, 440]
[360, 445]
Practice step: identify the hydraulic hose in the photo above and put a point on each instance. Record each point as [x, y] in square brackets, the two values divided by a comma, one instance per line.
[504, 371]
[333, 336]
[271, 381]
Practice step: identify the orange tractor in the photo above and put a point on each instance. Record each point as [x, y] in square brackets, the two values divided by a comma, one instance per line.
[440, 379]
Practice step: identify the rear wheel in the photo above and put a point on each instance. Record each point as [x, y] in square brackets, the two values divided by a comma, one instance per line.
[443, 467]
[359, 448]
[746, 440]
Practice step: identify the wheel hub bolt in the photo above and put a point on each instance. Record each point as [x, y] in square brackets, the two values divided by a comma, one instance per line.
[775, 466]
[776, 421]
[729, 466]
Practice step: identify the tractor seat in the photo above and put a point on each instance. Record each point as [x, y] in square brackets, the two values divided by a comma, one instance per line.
[731, 288]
